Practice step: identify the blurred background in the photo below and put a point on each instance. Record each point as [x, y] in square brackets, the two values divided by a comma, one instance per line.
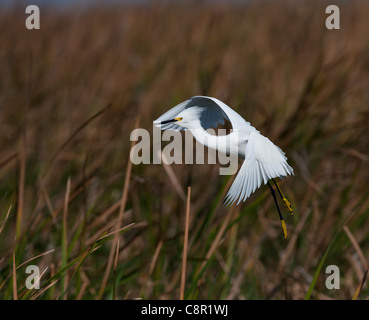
[100, 228]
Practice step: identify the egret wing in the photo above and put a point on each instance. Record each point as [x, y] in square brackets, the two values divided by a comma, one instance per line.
[214, 112]
[263, 161]
[236, 120]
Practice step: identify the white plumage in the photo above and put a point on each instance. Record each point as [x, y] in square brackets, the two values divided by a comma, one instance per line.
[263, 160]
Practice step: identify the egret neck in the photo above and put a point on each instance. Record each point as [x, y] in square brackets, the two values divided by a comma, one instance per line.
[226, 143]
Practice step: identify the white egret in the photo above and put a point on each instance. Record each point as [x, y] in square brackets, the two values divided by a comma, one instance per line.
[263, 160]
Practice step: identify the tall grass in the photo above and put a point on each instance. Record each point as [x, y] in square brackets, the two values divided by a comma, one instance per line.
[69, 97]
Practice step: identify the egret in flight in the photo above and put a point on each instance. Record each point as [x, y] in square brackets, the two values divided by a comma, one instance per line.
[263, 160]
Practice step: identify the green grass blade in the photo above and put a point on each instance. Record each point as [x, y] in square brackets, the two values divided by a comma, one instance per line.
[321, 263]
[320, 266]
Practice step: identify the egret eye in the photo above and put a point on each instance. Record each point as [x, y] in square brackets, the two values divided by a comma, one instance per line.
[178, 119]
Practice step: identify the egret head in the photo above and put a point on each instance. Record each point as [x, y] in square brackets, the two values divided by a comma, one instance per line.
[188, 118]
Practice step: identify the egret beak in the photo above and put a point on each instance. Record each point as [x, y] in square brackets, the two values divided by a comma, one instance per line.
[168, 121]
[172, 120]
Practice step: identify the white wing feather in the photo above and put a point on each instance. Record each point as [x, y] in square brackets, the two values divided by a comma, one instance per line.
[263, 161]
[215, 111]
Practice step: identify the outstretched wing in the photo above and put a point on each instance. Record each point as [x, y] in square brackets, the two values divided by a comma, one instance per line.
[214, 113]
[238, 123]
[263, 161]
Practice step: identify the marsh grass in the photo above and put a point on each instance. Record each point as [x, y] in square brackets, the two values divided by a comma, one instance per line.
[101, 228]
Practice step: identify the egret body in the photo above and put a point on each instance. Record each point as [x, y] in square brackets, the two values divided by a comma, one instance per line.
[263, 160]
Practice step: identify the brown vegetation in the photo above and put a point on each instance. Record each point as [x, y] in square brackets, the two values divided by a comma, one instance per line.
[304, 87]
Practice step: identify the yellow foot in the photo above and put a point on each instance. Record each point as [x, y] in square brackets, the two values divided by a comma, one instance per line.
[284, 229]
[287, 204]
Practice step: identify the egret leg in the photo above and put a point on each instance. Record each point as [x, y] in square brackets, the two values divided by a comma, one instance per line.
[284, 228]
[287, 204]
